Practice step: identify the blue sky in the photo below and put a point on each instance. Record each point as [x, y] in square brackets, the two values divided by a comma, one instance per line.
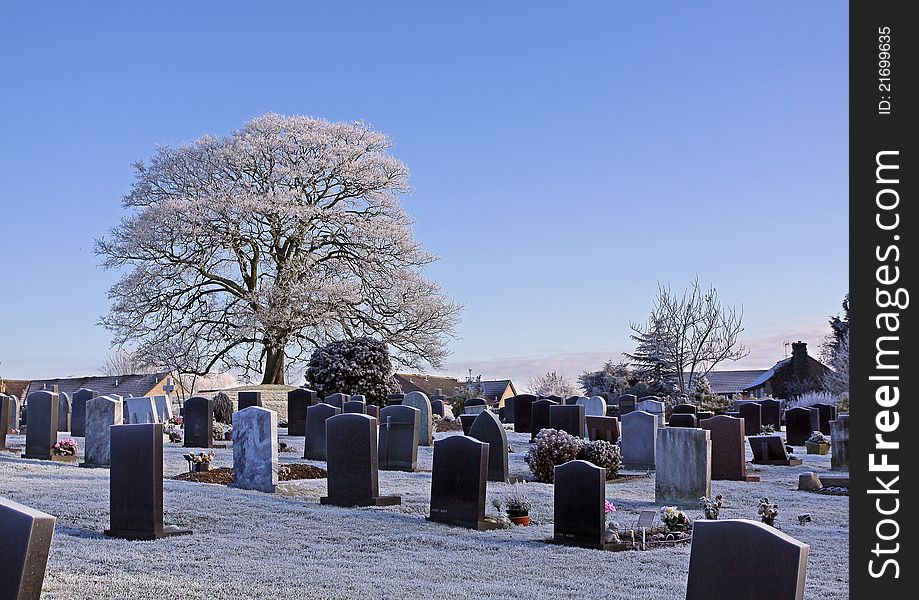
[564, 159]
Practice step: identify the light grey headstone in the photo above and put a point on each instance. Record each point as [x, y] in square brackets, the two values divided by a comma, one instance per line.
[255, 449]
[650, 404]
[684, 466]
[639, 440]
[595, 406]
[474, 410]
[420, 401]
[141, 410]
[64, 408]
[101, 414]
[163, 405]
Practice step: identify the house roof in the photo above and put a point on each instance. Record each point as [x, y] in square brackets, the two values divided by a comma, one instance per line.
[495, 388]
[15, 387]
[123, 385]
[415, 382]
[730, 382]
[767, 375]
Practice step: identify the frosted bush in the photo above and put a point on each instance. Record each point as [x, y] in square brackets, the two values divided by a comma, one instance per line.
[355, 366]
[223, 408]
[603, 454]
[812, 398]
[550, 448]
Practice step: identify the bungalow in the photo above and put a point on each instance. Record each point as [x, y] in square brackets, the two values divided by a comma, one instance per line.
[431, 385]
[127, 386]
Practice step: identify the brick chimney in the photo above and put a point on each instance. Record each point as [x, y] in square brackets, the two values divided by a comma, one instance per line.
[799, 361]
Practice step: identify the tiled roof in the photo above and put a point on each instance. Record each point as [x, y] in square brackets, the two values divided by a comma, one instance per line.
[767, 375]
[494, 388]
[15, 387]
[414, 382]
[123, 385]
[731, 382]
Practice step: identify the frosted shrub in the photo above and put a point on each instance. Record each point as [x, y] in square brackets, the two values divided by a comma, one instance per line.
[223, 408]
[812, 398]
[355, 366]
[551, 447]
[603, 454]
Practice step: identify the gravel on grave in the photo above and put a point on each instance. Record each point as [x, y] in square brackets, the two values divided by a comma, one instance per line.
[249, 544]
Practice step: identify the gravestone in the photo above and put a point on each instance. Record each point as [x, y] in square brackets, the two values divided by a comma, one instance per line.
[247, 399]
[141, 410]
[136, 483]
[685, 409]
[78, 416]
[570, 419]
[475, 402]
[398, 445]
[571, 400]
[839, 443]
[683, 420]
[639, 440]
[729, 460]
[466, 421]
[603, 428]
[316, 416]
[199, 422]
[650, 404]
[101, 414]
[354, 406]
[684, 466]
[162, 403]
[14, 414]
[475, 409]
[298, 401]
[771, 450]
[359, 398]
[580, 505]
[420, 401]
[373, 410]
[509, 412]
[6, 407]
[539, 416]
[523, 412]
[827, 413]
[752, 415]
[352, 462]
[626, 403]
[64, 408]
[337, 400]
[798, 425]
[704, 414]
[595, 406]
[437, 407]
[458, 483]
[772, 413]
[771, 565]
[255, 449]
[487, 428]
[41, 432]
[24, 548]
[394, 399]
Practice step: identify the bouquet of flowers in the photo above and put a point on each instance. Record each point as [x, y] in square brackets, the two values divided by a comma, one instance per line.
[674, 518]
[176, 420]
[610, 508]
[200, 461]
[768, 511]
[710, 507]
[65, 447]
[817, 437]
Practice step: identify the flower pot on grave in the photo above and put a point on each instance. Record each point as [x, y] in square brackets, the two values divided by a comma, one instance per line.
[817, 448]
[65, 458]
[518, 519]
[202, 467]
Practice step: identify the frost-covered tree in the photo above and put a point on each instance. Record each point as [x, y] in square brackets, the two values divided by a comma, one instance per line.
[690, 333]
[835, 353]
[356, 366]
[610, 381]
[552, 384]
[251, 250]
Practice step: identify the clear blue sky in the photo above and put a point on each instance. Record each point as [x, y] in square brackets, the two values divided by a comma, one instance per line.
[564, 159]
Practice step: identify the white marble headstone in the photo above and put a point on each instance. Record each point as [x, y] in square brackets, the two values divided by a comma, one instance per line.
[255, 449]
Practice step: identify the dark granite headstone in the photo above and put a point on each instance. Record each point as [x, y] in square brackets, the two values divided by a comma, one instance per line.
[603, 428]
[437, 407]
[394, 399]
[337, 400]
[626, 403]
[682, 420]
[685, 409]
[247, 399]
[14, 414]
[728, 447]
[6, 407]
[772, 413]
[771, 565]
[487, 428]
[827, 413]
[78, 416]
[373, 410]
[458, 483]
[798, 425]
[400, 427]
[354, 406]
[752, 415]
[704, 414]
[64, 407]
[298, 401]
[580, 504]
[568, 418]
[316, 416]
[41, 433]
[523, 412]
[839, 443]
[199, 422]
[770, 450]
[24, 545]
[136, 483]
[539, 416]
[476, 402]
[352, 462]
[571, 400]
[509, 412]
[466, 421]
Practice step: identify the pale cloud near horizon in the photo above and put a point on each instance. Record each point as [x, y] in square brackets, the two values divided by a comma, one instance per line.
[765, 348]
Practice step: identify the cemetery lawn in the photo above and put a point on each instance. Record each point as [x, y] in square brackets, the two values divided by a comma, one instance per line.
[248, 544]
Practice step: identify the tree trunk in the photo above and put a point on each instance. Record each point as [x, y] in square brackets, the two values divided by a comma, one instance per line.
[274, 365]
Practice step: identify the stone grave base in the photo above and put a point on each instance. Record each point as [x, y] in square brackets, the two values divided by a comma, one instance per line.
[626, 545]
[127, 534]
[92, 466]
[487, 524]
[375, 501]
[791, 462]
